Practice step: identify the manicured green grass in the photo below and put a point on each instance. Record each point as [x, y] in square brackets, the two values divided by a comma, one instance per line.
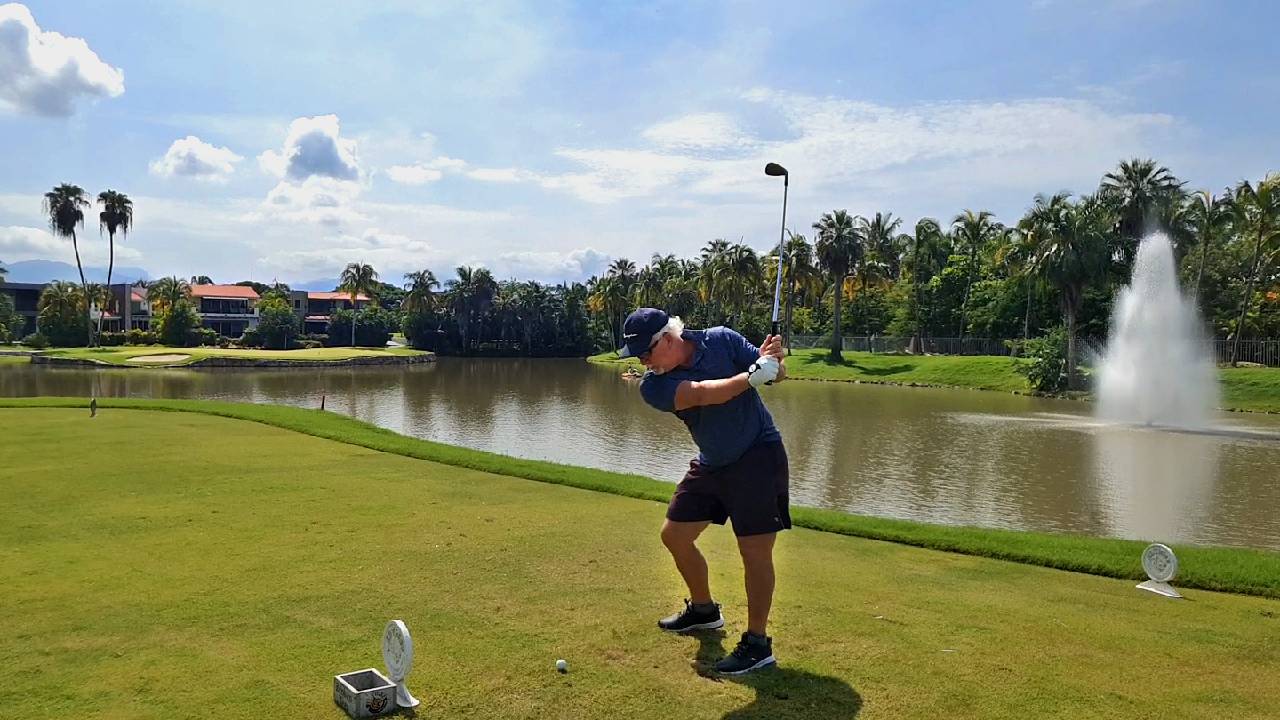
[1255, 389]
[14, 360]
[120, 355]
[1230, 569]
[231, 569]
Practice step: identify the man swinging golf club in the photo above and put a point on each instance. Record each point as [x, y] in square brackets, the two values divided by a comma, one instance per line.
[708, 379]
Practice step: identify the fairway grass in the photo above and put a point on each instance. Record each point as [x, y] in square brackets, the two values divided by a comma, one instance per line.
[1251, 389]
[121, 355]
[193, 565]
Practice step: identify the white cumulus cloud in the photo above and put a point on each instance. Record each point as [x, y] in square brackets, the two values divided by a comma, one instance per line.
[45, 72]
[699, 131]
[314, 146]
[192, 157]
[422, 173]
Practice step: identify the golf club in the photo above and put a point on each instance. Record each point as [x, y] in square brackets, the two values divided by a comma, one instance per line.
[774, 169]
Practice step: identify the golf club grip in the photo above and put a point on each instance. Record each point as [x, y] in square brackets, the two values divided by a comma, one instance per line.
[775, 328]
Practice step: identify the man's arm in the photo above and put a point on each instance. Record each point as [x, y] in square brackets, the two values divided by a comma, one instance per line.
[691, 393]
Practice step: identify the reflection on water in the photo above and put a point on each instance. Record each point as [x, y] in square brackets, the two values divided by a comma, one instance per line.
[956, 457]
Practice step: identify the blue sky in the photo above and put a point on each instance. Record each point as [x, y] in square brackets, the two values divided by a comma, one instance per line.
[282, 140]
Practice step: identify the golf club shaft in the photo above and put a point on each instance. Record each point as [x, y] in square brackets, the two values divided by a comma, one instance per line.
[777, 287]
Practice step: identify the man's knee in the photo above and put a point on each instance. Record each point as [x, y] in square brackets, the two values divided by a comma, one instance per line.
[677, 536]
[757, 547]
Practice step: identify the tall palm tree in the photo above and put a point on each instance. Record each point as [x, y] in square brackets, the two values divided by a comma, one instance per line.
[166, 292]
[741, 278]
[470, 294]
[839, 249]
[801, 277]
[1257, 214]
[358, 279]
[117, 215]
[711, 275]
[420, 295]
[622, 275]
[1209, 219]
[972, 232]
[926, 241]
[1039, 224]
[1139, 191]
[65, 206]
[1073, 254]
[881, 236]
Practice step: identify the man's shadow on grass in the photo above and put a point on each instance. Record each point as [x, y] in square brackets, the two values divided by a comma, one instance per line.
[780, 692]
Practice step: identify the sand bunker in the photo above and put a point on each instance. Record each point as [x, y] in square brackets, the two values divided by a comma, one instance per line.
[162, 359]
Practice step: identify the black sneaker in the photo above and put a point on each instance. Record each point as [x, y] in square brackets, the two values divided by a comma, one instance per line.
[753, 652]
[691, 619]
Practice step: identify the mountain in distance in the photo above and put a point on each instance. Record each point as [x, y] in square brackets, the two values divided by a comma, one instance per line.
[43, 271]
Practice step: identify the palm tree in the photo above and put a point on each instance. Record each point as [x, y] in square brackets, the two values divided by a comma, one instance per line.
[358, 279]
[59, 303]
[1209, 219]
[470, 294]
[871, 274]
[65, 206]
[166, 292]
[839, 249]
[117, 215]
[711, 275]
[1139, 191]
[972, 231]
[880, 235]
[1033, 229]
[927, 239]
[1073, 254]
[421, 291]
[1257, 213]
[800, 275]
[741, 278]
[621, 288]
[99, 297]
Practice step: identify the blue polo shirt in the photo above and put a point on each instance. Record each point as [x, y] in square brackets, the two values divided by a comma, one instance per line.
[722, 432]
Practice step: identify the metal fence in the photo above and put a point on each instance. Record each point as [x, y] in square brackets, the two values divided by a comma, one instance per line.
[1261, 352]
[892, 344]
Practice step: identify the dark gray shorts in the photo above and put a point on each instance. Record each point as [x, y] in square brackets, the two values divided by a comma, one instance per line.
[752, 491]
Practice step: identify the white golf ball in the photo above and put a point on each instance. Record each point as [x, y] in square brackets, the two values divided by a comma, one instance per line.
[562, 666]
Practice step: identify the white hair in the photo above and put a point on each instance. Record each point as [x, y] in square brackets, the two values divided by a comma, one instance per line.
[674, 326]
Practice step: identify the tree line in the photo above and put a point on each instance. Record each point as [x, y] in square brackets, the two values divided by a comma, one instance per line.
[1057, 267]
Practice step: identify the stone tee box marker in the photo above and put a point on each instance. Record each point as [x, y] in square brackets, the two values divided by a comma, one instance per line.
[368, 693]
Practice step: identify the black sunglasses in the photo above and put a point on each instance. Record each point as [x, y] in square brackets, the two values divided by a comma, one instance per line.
[645, 355]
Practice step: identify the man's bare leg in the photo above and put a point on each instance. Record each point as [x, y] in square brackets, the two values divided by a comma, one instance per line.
[679, 538]
[757, 565]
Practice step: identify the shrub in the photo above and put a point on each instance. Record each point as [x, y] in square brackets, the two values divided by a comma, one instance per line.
[207, 337]
[277, 323]
[177, 325]
[111, 339]
[1046, 362]
[224, 342]
[308, 344]
[373, 327]
[36, 341]
[251, 338]
[140, 337]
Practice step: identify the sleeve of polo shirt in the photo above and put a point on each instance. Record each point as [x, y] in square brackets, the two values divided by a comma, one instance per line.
[743, 352]
[659, 391]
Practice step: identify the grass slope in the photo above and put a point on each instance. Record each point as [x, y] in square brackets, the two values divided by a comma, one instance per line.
[232, 569]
